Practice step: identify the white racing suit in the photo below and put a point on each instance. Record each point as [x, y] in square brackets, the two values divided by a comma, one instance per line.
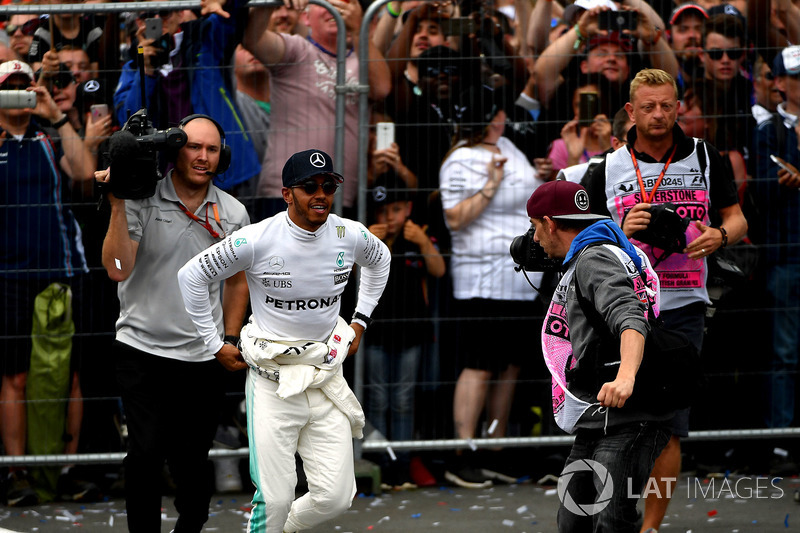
[295, 279]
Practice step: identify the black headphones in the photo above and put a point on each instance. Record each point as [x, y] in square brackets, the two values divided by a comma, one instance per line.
[225, 150]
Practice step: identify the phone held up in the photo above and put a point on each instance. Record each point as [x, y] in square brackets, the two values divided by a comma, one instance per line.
[385, 135]
[98, 111]
[781, 163]
[588, 108]
[16, 99]
[617, 20]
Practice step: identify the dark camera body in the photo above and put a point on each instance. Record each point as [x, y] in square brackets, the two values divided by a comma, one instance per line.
[530, 255]
[134, 156]
[458, 26]
[617, 20]
[667, 229]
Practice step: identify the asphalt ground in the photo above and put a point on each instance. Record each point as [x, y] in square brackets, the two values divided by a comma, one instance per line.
[715, 504]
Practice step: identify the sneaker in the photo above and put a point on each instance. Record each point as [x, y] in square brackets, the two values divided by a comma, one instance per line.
[468, 477]
[19, 492]
[420, 475]
[406, 485]
[72, 488]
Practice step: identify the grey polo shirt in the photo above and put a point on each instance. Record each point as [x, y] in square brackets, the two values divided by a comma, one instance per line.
[152, 314]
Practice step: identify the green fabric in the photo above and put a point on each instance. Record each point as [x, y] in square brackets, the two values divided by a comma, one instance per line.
[49, 380]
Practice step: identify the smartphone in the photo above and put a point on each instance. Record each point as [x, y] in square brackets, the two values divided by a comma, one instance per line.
[15, 99]
[778, 161]
[98, 111]
[617, 20]
[153, 28]
[385, 132]
[588, 108]
[458, 26]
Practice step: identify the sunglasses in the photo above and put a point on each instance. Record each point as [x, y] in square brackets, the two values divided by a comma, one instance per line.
[733, 53]
[28, 28]
[61, 80]
[310, 187]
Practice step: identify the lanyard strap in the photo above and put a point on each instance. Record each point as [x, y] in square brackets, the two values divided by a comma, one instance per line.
[648, 199]
[205, 224]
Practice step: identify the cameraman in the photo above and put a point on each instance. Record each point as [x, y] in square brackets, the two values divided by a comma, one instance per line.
[171, 387]
[40, 244]
[661, 165]
[605, 276]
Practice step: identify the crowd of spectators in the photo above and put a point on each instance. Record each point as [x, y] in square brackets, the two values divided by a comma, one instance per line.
[487, 101]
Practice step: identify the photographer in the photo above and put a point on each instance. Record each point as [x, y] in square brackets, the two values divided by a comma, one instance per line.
[171, 386]
[663, 165]
[184, 75]
[606, 278]
[40, 244]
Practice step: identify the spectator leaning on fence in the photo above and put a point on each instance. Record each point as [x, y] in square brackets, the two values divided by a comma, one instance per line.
[778, 199]
[48, 251]
[303, 73]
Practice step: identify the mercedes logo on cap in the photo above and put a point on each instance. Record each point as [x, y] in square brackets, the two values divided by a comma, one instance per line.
[317, 160]
[91, 86]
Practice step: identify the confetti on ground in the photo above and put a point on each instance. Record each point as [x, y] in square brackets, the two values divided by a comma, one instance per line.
[522, 509]
[712, 512]
[508, 523]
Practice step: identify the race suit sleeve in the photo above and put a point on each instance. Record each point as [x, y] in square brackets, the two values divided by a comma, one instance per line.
[213, 265]
[374, 258]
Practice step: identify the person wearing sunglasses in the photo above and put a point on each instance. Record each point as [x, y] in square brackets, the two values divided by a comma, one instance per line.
[172, 387]
[728, 90]
[20, 30]
[297, 265]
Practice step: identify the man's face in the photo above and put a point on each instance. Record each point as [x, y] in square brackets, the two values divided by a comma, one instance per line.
[77, 61]
[428, 34]
[64, 92]
[544, 237]
[18, 40]
[790, 86]
[687, 36]
[309, 210]
[767, 93]
[394, 215]
[439, 82]
[200, 154]
[717, 60]
[609, 60]
[321, 23]
[283, 20]
[246, 63]
[653, 110]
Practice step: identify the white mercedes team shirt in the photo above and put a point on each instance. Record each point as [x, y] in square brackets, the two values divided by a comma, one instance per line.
[295, 277]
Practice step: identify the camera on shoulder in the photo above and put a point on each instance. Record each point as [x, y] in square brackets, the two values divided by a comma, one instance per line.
[133, 151]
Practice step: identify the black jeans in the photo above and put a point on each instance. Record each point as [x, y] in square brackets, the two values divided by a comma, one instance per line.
[172, 412]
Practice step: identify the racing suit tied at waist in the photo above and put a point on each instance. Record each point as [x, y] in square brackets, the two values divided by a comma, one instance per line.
[298, 365]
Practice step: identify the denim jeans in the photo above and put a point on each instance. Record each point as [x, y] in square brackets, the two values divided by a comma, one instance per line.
[627, 452]
[783, 285]
[391, 383]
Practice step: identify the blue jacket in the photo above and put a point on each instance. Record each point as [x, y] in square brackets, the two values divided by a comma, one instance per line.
[206, 48]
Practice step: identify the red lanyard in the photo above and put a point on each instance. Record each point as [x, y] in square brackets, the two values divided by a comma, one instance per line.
[205, 224]
[648, 199]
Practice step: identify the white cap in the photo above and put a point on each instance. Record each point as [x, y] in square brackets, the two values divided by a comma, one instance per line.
[9, 68]
[572, 9]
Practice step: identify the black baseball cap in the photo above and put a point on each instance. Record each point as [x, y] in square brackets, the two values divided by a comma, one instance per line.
[307, 164]
[389, 188]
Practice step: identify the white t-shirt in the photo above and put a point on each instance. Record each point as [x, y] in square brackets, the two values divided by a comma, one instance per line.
[481, 265]
[295, 277]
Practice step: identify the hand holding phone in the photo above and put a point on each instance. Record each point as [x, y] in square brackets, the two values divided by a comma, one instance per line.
[153, 28]
[617, 20]
[98, 111]
[781, 163]
[588, 108]
[385, 135]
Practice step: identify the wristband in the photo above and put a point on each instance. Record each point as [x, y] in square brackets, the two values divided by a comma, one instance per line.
[657, 38]
[580, 39]
[361, 318]
[232, 340]
[724, 236]
[391, 12]
[483, 193]
[63, 120]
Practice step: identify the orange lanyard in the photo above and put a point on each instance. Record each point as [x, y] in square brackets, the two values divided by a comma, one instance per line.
[648, 199]
[205, 224]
